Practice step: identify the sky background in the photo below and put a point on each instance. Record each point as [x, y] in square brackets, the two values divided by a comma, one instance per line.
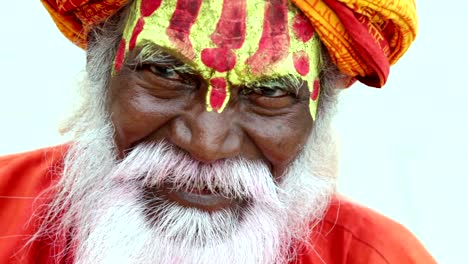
[404, 148]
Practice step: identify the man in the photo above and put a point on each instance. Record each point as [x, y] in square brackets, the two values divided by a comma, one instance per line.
[205, 137]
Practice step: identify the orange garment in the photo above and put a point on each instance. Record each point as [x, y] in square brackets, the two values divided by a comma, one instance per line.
[349, 233]
[363, 37]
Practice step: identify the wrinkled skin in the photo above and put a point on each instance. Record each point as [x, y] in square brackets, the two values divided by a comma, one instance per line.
[153, 102]
[151, 105]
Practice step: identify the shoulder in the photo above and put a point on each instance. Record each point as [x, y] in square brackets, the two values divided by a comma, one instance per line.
[23, 178]
[21, 172]
[34, 156]
[352, 233]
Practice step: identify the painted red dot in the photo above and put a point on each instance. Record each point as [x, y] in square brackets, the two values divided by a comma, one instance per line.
[120, 55]
[315, 92]
[219, 59]
[302, 28]
[301, 62]
[136, 31]
[148, 7]
[218, 92]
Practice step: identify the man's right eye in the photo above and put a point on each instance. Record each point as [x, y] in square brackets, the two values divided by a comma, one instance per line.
[163, 71]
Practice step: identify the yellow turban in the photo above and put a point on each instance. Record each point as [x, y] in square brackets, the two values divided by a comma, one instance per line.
[363, 37]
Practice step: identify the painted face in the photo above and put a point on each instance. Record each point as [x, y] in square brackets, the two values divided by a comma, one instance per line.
[230, 42]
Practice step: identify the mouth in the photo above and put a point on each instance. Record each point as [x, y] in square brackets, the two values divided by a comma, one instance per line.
[200, 198]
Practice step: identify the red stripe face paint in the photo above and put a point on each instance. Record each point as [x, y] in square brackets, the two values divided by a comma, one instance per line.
[316, 90]
[185, 14]
[136, 32]
[274, 44]
[230, 30]
[228, 42]
[120, 55]
[218, 92]
[229, 34]
[148, 7]
[219, 59]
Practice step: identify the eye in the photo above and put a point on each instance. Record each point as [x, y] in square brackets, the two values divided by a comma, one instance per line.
[269, 97]
[266, 91]
[272, 92]
[164, 71]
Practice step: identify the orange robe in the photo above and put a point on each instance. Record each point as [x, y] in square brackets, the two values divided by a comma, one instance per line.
[348, 233]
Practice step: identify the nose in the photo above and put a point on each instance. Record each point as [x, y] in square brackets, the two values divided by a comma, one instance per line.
[208, 136]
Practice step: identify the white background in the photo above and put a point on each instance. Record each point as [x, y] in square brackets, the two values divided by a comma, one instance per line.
[404, 148]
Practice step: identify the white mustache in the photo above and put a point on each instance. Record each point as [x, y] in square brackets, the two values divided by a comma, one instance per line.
[161, 164]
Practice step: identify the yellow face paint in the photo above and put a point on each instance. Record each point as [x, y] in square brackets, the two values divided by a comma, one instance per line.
[230, 42]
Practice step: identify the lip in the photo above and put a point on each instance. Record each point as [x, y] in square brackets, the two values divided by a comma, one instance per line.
[201, 199]
[208, 202]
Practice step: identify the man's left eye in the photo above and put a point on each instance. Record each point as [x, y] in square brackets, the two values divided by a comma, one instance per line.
[266, 91]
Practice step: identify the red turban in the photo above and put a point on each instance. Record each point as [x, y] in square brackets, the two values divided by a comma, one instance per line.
[363, 37]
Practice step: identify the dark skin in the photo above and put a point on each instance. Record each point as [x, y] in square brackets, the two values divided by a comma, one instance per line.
[151, 103]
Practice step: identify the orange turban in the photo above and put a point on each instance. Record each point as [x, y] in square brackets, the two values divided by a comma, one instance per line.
[363, 37]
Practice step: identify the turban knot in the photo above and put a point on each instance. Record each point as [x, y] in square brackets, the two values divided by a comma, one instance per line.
[363, 37]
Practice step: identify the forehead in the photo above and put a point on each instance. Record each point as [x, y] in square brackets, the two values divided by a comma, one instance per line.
[238, 39]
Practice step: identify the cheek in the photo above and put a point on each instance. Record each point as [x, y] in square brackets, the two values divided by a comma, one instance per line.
[280, 139]
[137, 115]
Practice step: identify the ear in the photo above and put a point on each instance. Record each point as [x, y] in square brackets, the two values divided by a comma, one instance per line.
[331, 72]
[333, 76]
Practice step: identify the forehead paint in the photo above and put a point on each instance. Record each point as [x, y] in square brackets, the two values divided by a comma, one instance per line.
[229, 34]
[274, 43]
[185, 14]
[230, 42]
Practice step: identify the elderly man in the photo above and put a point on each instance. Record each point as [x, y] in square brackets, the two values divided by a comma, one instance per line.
[205, 137]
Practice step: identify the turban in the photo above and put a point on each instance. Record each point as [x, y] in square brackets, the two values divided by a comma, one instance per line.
[363, 37]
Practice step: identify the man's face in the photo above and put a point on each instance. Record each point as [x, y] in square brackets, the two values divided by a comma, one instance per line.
[178, 63]
[211, 105]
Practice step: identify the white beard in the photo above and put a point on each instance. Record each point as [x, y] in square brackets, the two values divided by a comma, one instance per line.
[101, 200]
[99, 203]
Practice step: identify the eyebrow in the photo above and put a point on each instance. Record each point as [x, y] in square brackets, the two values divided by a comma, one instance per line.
[150, 53]
[288, 83]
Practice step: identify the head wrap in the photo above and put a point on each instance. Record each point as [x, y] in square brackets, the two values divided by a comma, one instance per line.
[363, 37]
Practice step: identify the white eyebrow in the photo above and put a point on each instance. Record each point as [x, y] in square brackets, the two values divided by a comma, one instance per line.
[150, 53]
[288, 83]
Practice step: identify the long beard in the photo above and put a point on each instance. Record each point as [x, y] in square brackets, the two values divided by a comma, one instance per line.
[112, 220]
